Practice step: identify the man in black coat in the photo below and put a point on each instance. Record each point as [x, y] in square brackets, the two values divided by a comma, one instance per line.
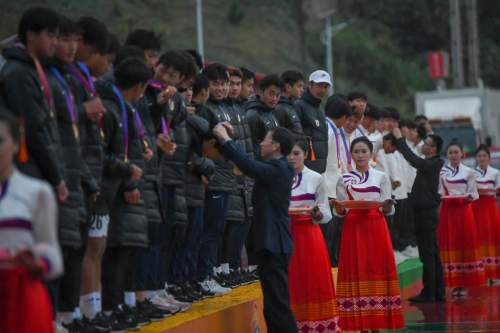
[426, 201]
[260, 109]
[284, 112]
[271, 202]
[313, 120]
[24, 91]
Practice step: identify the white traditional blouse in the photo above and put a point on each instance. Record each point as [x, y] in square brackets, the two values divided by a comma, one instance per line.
[487, 179]
[28, 220]
[411, 172]
[458, 181]
[371, 185]
[333, 160]
[309, 189]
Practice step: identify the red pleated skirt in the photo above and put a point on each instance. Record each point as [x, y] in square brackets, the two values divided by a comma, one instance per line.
[459, 245]
[367, 286]
[24, 303]
[312, 291]
[487, 218]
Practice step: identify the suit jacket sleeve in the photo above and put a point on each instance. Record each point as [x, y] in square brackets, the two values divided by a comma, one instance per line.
[256, 133]
[258, 170]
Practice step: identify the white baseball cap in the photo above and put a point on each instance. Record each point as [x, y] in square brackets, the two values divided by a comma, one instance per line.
[320, 77]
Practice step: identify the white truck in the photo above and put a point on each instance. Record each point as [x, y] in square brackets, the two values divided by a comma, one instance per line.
[470, 115]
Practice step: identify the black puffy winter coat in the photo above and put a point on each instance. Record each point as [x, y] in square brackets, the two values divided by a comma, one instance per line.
[21, 92]
[313, 121]
[224, 179]
[72, 211]
[286, 115]
[261, 120]
[239, 202]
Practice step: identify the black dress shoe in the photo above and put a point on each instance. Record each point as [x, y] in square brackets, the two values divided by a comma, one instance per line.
[421, 299]
[441, 298]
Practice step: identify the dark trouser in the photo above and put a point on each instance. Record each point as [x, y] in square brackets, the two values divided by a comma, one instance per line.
[410, 236]
[116, 276]
[186, 242]
[327, 229]
[337, 224]
[238, 236]
[214, 222]
[147, 260]
[224, 247]
[65, 291]
[251, 255]
[426, 223]
[167, 233]
[273, 271]
[400, 226]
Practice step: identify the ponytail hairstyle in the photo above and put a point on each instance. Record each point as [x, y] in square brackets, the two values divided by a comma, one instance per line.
[454, 142]
[483, 147]
[362, 139]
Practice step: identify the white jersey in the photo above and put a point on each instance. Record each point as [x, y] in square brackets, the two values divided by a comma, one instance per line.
[488, 179]
[345, 150]
[458, 181]
[28, 221]
[309, 190]
[371, 185]
[401, 192]
[411, 172]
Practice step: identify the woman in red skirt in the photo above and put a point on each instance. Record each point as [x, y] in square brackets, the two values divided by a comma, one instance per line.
[312, 292]
[487, 214]
[29, 249]
[367, 286]
[457, 232]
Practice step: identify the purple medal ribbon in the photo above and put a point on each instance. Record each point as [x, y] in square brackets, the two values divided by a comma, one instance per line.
[69, 101]
[124, 120]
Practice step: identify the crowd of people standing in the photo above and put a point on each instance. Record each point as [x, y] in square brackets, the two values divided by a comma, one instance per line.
[131, 182]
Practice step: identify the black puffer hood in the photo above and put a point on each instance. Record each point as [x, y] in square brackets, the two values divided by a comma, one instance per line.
[309, 98]
[254, 102]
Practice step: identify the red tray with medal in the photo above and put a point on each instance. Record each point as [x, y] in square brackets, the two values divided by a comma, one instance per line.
[302, 210]
[361, 204]
[454, 197]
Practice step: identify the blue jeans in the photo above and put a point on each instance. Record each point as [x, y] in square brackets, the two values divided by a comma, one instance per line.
[214, 222]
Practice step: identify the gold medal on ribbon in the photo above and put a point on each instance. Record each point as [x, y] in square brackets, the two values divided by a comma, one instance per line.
[237, 171]
[144, 145]
[51, 115]
[75, 130]
[349, 168]
[102, 134]
[126, 159]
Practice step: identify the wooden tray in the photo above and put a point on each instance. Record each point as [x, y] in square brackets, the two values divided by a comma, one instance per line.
[300, 210]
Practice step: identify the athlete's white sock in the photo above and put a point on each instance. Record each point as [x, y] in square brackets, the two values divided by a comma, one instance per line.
[89, 305]
[225, 268]
[252, 268]
[130, 298]
[150, 294]
[66, 317]
[97, 295]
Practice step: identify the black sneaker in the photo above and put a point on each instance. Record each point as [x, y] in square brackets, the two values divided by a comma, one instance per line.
[229, 282]
[205, 293]
[100, 324]
[255, 275]
[244, 278]
[122, 319]
[188, 289]
[179, 294]
[136, 315]
[78, 326]
[146, 312]
[154, 309]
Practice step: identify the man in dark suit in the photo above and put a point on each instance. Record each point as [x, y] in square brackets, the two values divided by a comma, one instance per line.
[426, 201]
[271, 201]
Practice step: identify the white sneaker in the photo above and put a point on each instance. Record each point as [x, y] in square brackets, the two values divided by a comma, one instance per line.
[170, 300]
[455, 292]
[162, 304]
[462, 292]
[212, 286]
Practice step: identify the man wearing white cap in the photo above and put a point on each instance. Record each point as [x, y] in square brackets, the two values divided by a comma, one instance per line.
[313, 120]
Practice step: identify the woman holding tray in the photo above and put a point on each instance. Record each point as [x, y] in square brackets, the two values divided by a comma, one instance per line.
[312, 291]
[367, 287]
[457, 232]
[29, 250]
[487, 214]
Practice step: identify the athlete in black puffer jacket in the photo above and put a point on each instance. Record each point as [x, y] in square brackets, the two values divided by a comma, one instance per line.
[261, 120]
